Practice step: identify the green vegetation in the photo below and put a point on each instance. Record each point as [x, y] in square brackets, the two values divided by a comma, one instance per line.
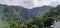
[10, 18]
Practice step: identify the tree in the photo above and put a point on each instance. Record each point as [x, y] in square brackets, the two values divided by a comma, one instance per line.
[38, 20]
[34, 26]
[12, 17]
[51, 15]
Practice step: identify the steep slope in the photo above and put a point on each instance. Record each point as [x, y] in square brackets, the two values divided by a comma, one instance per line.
[27, 13]
[3, 24]
[39, 10]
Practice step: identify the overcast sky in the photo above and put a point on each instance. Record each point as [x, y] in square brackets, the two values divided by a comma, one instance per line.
[30, 3]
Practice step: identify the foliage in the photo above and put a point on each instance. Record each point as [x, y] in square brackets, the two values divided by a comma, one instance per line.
[13, 19]
[34, 26]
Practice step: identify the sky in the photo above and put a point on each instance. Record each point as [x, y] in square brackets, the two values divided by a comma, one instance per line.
[30, 3]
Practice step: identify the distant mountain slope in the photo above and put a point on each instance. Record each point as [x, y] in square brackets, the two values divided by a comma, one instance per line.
[27, 13]
[39, 10]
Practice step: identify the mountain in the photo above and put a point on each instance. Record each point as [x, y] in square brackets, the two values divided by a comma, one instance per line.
[27, 13]
[39, 10]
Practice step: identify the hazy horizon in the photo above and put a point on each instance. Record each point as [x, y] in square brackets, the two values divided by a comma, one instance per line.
[30, 3]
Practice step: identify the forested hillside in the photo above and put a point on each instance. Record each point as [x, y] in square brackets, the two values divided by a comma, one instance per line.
[27, 13]
[12, 17]
[3, 23]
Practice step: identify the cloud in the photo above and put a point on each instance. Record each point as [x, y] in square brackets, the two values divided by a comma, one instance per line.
[30, 3]
[55, 3]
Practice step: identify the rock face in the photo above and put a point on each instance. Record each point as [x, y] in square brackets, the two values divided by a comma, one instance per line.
[27, 13]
